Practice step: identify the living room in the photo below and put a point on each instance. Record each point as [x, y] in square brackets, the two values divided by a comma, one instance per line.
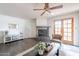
[23, 27]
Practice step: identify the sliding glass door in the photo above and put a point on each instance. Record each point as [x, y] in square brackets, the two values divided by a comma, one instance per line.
[65, 28]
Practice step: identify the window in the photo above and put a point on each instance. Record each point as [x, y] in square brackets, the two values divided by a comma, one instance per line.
[58, 27]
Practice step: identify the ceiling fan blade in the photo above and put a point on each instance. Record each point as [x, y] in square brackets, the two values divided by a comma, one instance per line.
[43, 13]
[38, 9]
[56, 7]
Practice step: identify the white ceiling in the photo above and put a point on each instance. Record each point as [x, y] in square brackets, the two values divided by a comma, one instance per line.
[25, 10]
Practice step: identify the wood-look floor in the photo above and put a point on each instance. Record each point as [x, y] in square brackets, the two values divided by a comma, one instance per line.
[14, 48]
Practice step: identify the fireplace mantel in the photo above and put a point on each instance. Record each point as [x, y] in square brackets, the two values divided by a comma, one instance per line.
[42, 26]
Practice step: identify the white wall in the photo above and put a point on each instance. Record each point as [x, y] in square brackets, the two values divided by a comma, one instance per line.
[76, 25]
[41, 22]
[51, 30]
[32, 29]
[26, 26]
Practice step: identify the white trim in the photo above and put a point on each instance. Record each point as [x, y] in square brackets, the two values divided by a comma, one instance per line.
[26, 51]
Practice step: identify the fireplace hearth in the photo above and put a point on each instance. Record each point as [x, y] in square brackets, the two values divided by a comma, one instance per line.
[43, 33]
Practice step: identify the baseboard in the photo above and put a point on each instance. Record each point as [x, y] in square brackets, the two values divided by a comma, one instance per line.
[13, 41]
[30, 38]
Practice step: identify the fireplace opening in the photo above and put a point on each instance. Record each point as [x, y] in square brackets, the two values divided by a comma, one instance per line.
[42, 32]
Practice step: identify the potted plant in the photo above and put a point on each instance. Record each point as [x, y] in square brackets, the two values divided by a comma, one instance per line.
[41, 46]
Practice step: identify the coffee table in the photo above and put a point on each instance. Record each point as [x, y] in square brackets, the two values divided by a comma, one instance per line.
[34, 52]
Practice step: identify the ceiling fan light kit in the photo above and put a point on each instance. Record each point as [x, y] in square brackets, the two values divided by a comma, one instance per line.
[47, 8]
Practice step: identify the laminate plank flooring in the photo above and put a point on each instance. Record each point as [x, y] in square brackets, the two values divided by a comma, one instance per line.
[14, 48]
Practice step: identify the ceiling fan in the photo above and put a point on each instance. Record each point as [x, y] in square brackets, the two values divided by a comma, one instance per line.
[47, 8]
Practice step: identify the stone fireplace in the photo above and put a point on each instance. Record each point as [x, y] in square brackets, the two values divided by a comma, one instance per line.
[43, 33]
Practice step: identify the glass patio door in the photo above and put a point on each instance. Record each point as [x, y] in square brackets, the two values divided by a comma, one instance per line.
[58, 27]
[67, 31]
[64, 28]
